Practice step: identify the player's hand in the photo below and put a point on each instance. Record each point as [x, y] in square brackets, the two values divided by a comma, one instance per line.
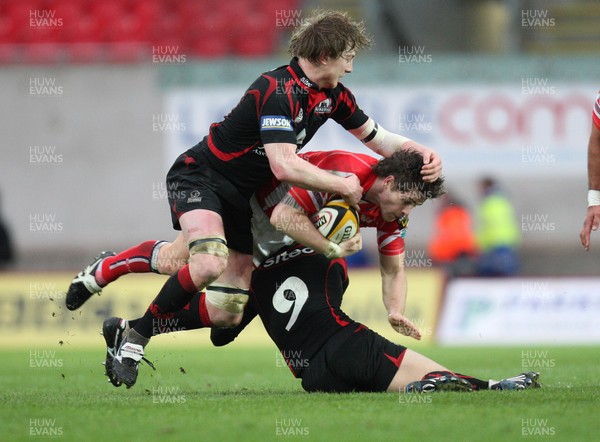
[351, 246]
[432, 163]
[591, 222]
[353, 191]
[403, 326]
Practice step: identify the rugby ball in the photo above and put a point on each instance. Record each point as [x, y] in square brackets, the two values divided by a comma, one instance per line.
[336, 221]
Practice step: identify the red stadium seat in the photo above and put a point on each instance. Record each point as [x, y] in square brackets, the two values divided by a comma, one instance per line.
[129, 30]
[24, 19]
[211, 36]
[257, 35]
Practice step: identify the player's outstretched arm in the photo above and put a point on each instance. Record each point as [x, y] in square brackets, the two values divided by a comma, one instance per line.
[289, 167]
[296, 224]
[592, 217]
[385, 143]
[394, 286]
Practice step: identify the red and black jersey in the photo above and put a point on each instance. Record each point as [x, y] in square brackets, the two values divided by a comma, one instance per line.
[281, 106]
[297, 293]
[390, 235]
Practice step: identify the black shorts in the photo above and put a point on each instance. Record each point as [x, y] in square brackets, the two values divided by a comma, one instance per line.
[193, 184]
[362, 362]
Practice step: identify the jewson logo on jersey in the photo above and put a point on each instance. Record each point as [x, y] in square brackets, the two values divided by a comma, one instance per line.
[275, 122]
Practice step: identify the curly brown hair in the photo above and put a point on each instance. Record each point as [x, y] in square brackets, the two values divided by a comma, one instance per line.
[328, 34]
[405, 166]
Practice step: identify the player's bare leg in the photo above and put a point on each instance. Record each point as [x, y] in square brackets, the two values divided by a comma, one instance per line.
[208, 259]
[416, 366]
[419, 374]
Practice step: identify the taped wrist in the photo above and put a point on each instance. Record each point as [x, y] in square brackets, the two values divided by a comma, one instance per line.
[333, 251]
[383, 142]
[593, 198]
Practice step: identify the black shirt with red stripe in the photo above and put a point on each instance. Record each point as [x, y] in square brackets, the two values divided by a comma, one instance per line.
[281, 106]
[297, 293]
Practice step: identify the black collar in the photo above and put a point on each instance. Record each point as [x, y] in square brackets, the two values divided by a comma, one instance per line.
[302, 78]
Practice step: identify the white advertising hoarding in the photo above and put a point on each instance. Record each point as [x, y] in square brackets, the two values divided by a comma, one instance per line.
[533, 123]
[521, 311]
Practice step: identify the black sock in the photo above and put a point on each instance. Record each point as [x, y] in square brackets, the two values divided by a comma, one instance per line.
[175, 294]
[477, 384]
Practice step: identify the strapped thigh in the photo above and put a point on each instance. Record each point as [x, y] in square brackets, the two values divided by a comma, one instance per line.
[226, 297]
[211, 245]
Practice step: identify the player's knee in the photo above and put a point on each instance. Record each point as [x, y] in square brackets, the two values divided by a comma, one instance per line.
[205, 269]
[226, 304]
[208, 259]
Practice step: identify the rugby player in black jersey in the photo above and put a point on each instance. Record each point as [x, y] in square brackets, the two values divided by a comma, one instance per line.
[298, 293]
[279, 113]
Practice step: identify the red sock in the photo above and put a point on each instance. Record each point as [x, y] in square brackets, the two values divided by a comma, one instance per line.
[204, 317]
[133, 260]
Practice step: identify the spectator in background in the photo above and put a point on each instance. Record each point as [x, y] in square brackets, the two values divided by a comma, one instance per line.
[453, 245]
[6, 248]
[498, 232]
[592, 217]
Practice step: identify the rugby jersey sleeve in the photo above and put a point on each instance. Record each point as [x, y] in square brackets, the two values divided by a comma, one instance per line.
[390, 237]
[275, 118]
[346, 112]
[596, 112]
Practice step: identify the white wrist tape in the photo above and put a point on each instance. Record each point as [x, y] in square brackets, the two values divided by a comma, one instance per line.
[593, 198]
[333, 251]
[381, 141]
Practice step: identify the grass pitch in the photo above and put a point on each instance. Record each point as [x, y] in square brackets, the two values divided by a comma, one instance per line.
[241, 393]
